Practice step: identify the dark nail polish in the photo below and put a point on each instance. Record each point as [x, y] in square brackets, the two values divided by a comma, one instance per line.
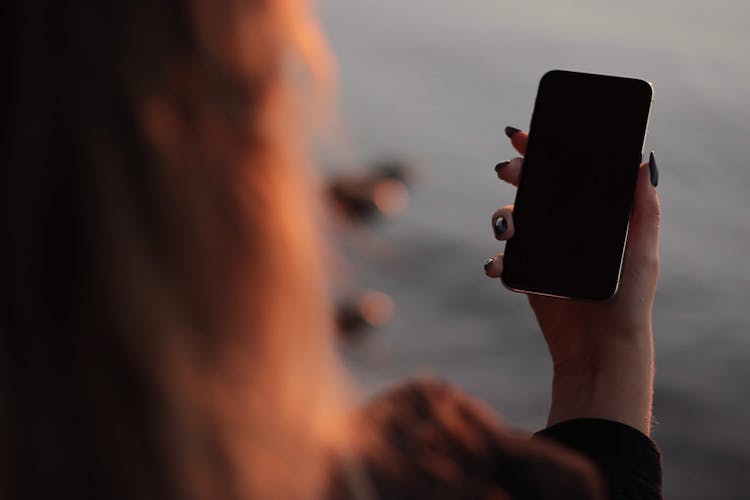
[499, 227]
[487, 264]
[511, 131]
[653, 170]
[501, 165]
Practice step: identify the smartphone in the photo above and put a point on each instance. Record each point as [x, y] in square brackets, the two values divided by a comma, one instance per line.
[573, 203]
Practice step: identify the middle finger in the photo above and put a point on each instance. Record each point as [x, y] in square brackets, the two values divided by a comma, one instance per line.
[510, 171]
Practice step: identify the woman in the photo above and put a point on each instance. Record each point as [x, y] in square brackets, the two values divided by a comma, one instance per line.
[165, 331]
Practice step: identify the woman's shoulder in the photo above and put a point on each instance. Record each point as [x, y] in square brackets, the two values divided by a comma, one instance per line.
[428, 439]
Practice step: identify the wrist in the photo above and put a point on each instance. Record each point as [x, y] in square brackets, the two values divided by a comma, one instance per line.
[598, 353]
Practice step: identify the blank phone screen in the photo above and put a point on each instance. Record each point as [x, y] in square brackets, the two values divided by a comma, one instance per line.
[574, 199]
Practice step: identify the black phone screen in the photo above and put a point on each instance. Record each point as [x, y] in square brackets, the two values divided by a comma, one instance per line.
[573, 203]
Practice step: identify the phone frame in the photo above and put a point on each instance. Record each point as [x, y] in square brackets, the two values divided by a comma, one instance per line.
[519, 289]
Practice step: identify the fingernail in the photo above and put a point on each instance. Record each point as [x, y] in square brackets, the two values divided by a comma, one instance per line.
[487, 264]
[501, 165]
[499, 227]
[653, 170]
[511, 131]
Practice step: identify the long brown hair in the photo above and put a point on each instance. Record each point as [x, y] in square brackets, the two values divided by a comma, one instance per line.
[164, 324]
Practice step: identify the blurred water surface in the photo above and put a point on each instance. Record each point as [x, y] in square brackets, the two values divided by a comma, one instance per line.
[438, 80]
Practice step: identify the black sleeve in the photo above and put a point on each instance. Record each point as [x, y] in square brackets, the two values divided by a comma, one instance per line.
[629, 461]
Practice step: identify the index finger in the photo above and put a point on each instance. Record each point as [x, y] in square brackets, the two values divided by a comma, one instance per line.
[518, 138]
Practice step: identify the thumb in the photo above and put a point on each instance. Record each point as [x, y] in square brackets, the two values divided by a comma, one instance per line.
[643, 235]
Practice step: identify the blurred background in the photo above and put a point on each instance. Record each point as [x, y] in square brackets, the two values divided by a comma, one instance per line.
[433, 83]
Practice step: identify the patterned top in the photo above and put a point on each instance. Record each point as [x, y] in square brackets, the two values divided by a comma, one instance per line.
[429, 440]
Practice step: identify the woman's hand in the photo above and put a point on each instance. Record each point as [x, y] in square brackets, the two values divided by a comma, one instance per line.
[602, 352]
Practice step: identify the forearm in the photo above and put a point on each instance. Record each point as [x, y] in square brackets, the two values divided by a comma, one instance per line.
[615, 385]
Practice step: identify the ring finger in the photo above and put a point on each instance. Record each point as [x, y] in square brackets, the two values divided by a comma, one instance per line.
[502, 223]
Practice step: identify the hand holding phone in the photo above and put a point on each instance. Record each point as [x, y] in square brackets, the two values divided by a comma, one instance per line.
[602, 352]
